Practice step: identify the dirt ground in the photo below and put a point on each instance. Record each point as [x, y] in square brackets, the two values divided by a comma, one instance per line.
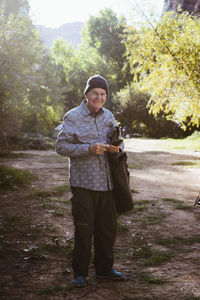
[157, 245]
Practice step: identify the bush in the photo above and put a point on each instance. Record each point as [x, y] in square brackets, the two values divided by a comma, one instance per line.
[31, 141]
[10, 177]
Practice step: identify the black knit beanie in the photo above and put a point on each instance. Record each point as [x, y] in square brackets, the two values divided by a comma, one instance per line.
[96, 81]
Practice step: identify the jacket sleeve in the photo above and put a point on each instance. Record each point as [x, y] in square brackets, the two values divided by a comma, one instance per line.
[67, 144]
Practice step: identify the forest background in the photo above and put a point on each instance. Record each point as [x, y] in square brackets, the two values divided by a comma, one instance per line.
[152, 70]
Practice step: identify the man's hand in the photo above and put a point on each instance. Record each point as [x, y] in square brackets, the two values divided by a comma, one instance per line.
[113, 149]
[98, 148]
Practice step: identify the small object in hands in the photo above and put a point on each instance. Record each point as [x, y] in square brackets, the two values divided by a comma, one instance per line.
[197, 201]
[116, 142]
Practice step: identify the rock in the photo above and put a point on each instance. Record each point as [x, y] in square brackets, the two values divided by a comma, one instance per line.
[192, 6]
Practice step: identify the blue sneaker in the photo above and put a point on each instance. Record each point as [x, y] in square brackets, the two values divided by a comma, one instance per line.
[112, 275]
[79, 281]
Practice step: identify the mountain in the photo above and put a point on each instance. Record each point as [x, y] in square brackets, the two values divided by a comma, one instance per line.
[71, 32]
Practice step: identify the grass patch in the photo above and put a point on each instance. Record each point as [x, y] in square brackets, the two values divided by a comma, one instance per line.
[195, 163]
[10, 177]
[54, 290]
[154, 218]
[53, 203]
[56, 246]
[10, 155]
[134, 191]
[157, 259]
[179, 204]
[139, 205]
[171, 200]
[191, 297]
[149, 279]
[55, 191]
[139, 248]
[47, 203]
[177, 240]
[59, 200]
[61, 189]
[142, 202]
[189, 143]
[138, 208]
[55, 159]
[121, 226]
[52, 158]
[58, 212]
[12, 220]
[20, 225]
[36, 193]
[184, 207]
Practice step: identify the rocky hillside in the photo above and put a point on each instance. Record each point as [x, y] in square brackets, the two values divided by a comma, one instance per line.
[71, 32]
[192, 6]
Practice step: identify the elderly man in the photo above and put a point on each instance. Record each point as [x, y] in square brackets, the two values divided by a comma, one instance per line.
[84, 139]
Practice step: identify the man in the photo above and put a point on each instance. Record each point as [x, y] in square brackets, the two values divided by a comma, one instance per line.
[84, 139]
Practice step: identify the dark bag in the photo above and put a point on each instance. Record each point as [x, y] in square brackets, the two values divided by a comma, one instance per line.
[120, 175]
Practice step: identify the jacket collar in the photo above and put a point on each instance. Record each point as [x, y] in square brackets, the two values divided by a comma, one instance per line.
[87, 112]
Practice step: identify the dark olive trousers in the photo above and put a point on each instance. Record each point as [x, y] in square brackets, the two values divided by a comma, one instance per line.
[95, 219]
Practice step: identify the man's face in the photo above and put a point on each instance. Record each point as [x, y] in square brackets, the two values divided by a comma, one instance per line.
[95, 99]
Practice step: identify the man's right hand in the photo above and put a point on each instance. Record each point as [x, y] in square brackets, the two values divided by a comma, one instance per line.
[98, 148]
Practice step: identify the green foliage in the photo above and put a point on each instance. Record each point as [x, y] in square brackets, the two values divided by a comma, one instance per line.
[18, 59]
[148, 278]
[17, 7]
[107, 34]
[131, 103]
[166, 60]
[101, 52]
[191, 297]
[76, 66]
[11, 177]
[55, 290]
[55, 191]
[28, 88]
[192, 142]
[158, 258]
[121, 226]
[11, 155]
[140, 247]
[59, 190]
[154, 218]
[177, 240]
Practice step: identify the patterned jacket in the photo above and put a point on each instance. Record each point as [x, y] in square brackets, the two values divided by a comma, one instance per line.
[80, 128]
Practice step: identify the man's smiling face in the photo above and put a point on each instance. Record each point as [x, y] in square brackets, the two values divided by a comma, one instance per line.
[96, 99]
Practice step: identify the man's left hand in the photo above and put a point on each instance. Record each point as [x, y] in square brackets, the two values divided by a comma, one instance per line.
[113, 149]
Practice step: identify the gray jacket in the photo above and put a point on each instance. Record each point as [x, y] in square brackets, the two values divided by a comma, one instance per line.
[80, 128]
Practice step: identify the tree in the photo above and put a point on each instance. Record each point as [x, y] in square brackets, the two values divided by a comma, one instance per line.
[76, 66]
[166, 60]
[16, 7]
[27, 86]
[107, 34]
[101, 52]
[133, 113]
[42, 107]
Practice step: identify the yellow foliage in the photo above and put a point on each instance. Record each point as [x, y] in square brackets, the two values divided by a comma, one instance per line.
[166, 60]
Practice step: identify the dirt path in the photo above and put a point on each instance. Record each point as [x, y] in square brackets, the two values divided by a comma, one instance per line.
[157, 246]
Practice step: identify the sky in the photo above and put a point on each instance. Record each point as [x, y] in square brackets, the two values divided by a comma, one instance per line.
[54, 13]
